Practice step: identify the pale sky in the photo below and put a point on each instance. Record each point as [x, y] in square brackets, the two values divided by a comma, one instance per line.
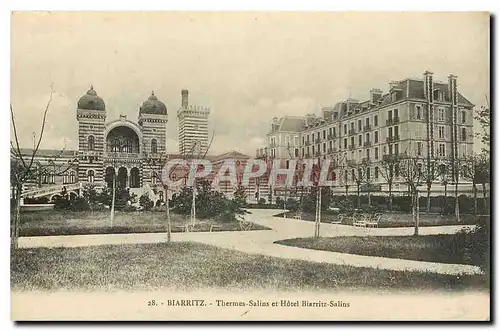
[248, 67]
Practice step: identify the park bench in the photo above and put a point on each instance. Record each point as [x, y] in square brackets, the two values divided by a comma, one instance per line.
[298, 216]
[358, 220]
[338, 219]
[213, 226]
[244, 224]
[373, 220]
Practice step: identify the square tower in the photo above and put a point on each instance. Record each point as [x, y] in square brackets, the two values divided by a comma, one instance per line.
[193, 127]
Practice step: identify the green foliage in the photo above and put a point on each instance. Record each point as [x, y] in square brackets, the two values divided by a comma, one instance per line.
[262, 201]
[145, 202]
[90, 193]
[240, 196]
[292, 204]
[309, 200]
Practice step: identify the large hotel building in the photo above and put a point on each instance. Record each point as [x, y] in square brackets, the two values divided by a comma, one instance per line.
[420, 117]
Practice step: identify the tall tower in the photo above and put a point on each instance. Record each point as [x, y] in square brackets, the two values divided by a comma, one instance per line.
[91, 114]
[153, 120]
[193, 127]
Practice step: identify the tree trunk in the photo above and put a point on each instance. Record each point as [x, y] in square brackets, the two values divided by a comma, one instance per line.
[390, 196]
[369, 199]
[359, 198]
[457, 205]
[112, 216]
[169, 222]
[17, 216]
[474, 190]
[428, 209]
[413, 206]
[417, 219]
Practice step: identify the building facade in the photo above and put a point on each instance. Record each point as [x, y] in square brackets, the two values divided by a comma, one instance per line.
[416, 117]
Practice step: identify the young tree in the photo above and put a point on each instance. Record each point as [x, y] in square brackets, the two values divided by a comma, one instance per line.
[431, 174]
[358, 172]
[25, 168]
[389, 166]
[412, 175]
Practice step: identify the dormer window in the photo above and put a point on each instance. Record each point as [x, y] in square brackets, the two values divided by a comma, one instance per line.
[394, 96]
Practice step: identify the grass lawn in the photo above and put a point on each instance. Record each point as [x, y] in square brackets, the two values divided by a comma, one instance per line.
[190, 266]
[434, 248]
[51, 223]
[395, 220]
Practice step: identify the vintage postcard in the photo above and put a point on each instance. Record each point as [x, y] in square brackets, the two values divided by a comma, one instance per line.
[250, 166]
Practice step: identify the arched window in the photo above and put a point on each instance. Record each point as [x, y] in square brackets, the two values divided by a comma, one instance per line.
[90, 176]
[91, 143]
[115, 145]
[161, 195]
[154, 146]
[128, 146]
[376, 172]
[72, 177]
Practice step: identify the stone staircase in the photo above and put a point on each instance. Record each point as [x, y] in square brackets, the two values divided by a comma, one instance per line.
[49, 190]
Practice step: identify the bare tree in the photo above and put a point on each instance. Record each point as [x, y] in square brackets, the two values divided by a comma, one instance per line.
[25, 167]
[412, 175]
[156, 164]
[389, 166]
[431, 174]
[358, 171]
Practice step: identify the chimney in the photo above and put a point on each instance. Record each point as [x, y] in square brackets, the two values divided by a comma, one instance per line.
[428, 86]
[375, 94]
[452, 89]
[184, 103]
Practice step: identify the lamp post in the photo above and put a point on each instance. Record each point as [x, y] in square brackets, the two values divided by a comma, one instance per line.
[112, 216]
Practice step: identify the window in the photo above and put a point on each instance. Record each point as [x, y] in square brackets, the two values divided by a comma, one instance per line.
[345, 128]
[367, 121]
[330, 131]
[396, 115]
[72, 178]
[375, 120]
[442, 151]
[368, 173]
[419, 148]
[313, 150]
[376, 136]
[441, 132]
[441, 115]
[308, 151]
[324, 134]
[296, 152]
[396, 149]
[389, 114]
[390, 132]
[115, 146]
[303, 140]
[345, 143]
[396, 132]
[128, 146]
[317, 135]
[368, 153]
[91, 143]
[154, 147]
[393, 96]
[464, 116]
[303, 152]
[376, 172]
[390, 149]
[360, 140]
[334, 132]
[324, 147]
[90, 176]
[352, 126]
[359, 125]
[419, 112]
[352, 142]
[376, 153]
[464, 134]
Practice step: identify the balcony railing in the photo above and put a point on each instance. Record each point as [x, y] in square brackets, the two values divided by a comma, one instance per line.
[307, 155]
[307, 143]
[365, 160]
[367, 127]
[352, 131]
[391, 157]
[392, 138]
[392, 121]
[124, 155]
[367, 143]
[332, 136]
[351, 147]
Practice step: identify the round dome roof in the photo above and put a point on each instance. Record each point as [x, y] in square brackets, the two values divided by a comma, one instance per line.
[91, 101]
[153, 106]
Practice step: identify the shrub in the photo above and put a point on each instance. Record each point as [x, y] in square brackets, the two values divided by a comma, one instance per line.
[145, 202]
[262, 201]
[129, 208]
[279, 202]
[79, 204]
[292, 204]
